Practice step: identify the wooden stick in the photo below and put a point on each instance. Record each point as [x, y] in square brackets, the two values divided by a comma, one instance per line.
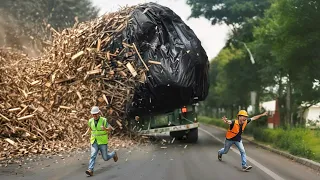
[4, 117]
[77, 55]
[99, 45]
[143, 78]
[35, 82]
[80, 68]
[23, 110]
[23, 129]
[96, 71]
[131, 69]
[154, 62]
[64, 107]
[26, 117]
[119, 123]
[97, 66]
[135, 47]
[105, 98]
[64, 80]
[123, 74]
[79, 95]
[126, 45]
[14, 109]
[52, 29]
[108, 56]
[10, 141]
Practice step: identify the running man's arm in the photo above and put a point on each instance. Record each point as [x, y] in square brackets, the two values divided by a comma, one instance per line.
[226, 120]
[107, 127]
[259, 116]
[86, 132]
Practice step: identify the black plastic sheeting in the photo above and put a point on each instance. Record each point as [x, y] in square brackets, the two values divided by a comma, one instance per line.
[182, 77]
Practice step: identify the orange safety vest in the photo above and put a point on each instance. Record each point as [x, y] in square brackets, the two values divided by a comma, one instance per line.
[235, 130]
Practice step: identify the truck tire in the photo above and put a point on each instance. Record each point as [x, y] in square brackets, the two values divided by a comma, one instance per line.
[178, 135]
[192, 136]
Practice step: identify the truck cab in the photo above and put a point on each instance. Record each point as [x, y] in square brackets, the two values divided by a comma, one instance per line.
[179, 124]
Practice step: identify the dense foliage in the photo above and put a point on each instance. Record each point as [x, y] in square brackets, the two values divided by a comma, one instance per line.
[283, 36]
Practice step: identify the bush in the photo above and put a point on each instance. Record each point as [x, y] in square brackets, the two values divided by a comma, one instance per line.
[297, 141]
[266, 135]
[213, 121]
[301, 149]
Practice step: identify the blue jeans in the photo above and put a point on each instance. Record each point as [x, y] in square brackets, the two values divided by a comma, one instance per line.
[94, 152]
[239, 145]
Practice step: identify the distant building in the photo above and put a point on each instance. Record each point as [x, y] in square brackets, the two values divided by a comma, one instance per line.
[311, 114]
[274, 116]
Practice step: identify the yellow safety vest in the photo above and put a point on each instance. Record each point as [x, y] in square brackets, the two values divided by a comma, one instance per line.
[97, 134]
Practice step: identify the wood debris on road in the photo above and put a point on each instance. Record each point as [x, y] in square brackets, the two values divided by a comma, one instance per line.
[45, 101]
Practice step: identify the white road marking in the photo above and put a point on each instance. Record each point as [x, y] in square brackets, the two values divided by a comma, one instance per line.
[263, 168]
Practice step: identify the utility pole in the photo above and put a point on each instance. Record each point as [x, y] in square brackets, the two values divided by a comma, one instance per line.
[253, 94]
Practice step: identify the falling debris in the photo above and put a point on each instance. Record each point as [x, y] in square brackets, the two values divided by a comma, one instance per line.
[173, 140]
[45, 101]
[10, 141]
[185, 146]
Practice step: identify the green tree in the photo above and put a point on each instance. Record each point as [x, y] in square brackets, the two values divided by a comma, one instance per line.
[27, 19]
[291, 30]
[283, 36]
[230, 12]
[232, 77]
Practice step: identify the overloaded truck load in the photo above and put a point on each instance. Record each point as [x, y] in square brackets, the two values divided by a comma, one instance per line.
[139, 60]
[180, 73]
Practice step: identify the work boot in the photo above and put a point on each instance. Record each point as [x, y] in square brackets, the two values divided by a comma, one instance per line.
[115, 157]
[89, 172]
[246, 168]
[219, 156]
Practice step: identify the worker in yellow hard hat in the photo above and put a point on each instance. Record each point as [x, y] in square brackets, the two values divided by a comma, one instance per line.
[233, 135]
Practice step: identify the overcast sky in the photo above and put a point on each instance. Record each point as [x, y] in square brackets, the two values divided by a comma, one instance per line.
[212, 37]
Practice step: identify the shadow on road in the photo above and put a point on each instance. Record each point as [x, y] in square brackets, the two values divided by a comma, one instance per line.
[104, 169]
[203, 141]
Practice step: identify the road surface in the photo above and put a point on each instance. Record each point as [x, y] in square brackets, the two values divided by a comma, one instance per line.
[178, 160]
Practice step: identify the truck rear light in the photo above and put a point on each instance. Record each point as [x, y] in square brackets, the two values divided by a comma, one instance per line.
[195, 120]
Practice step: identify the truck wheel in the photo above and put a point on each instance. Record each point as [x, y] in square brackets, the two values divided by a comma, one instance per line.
[177, 134]
[192, 136]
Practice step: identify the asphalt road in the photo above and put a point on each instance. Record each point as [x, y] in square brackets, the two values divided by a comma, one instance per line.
[178, 160]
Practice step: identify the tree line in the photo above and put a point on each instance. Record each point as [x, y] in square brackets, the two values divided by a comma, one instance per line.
[283, 37]
[24, 21]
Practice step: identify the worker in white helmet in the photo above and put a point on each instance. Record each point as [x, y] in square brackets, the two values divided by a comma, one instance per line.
[99, 128]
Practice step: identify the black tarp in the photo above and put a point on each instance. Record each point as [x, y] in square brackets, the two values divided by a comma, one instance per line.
[182, 77]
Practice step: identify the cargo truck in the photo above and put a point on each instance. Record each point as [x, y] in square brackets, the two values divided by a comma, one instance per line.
[180, 124]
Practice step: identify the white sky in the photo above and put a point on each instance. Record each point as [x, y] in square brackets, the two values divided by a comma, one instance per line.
[212, 37]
